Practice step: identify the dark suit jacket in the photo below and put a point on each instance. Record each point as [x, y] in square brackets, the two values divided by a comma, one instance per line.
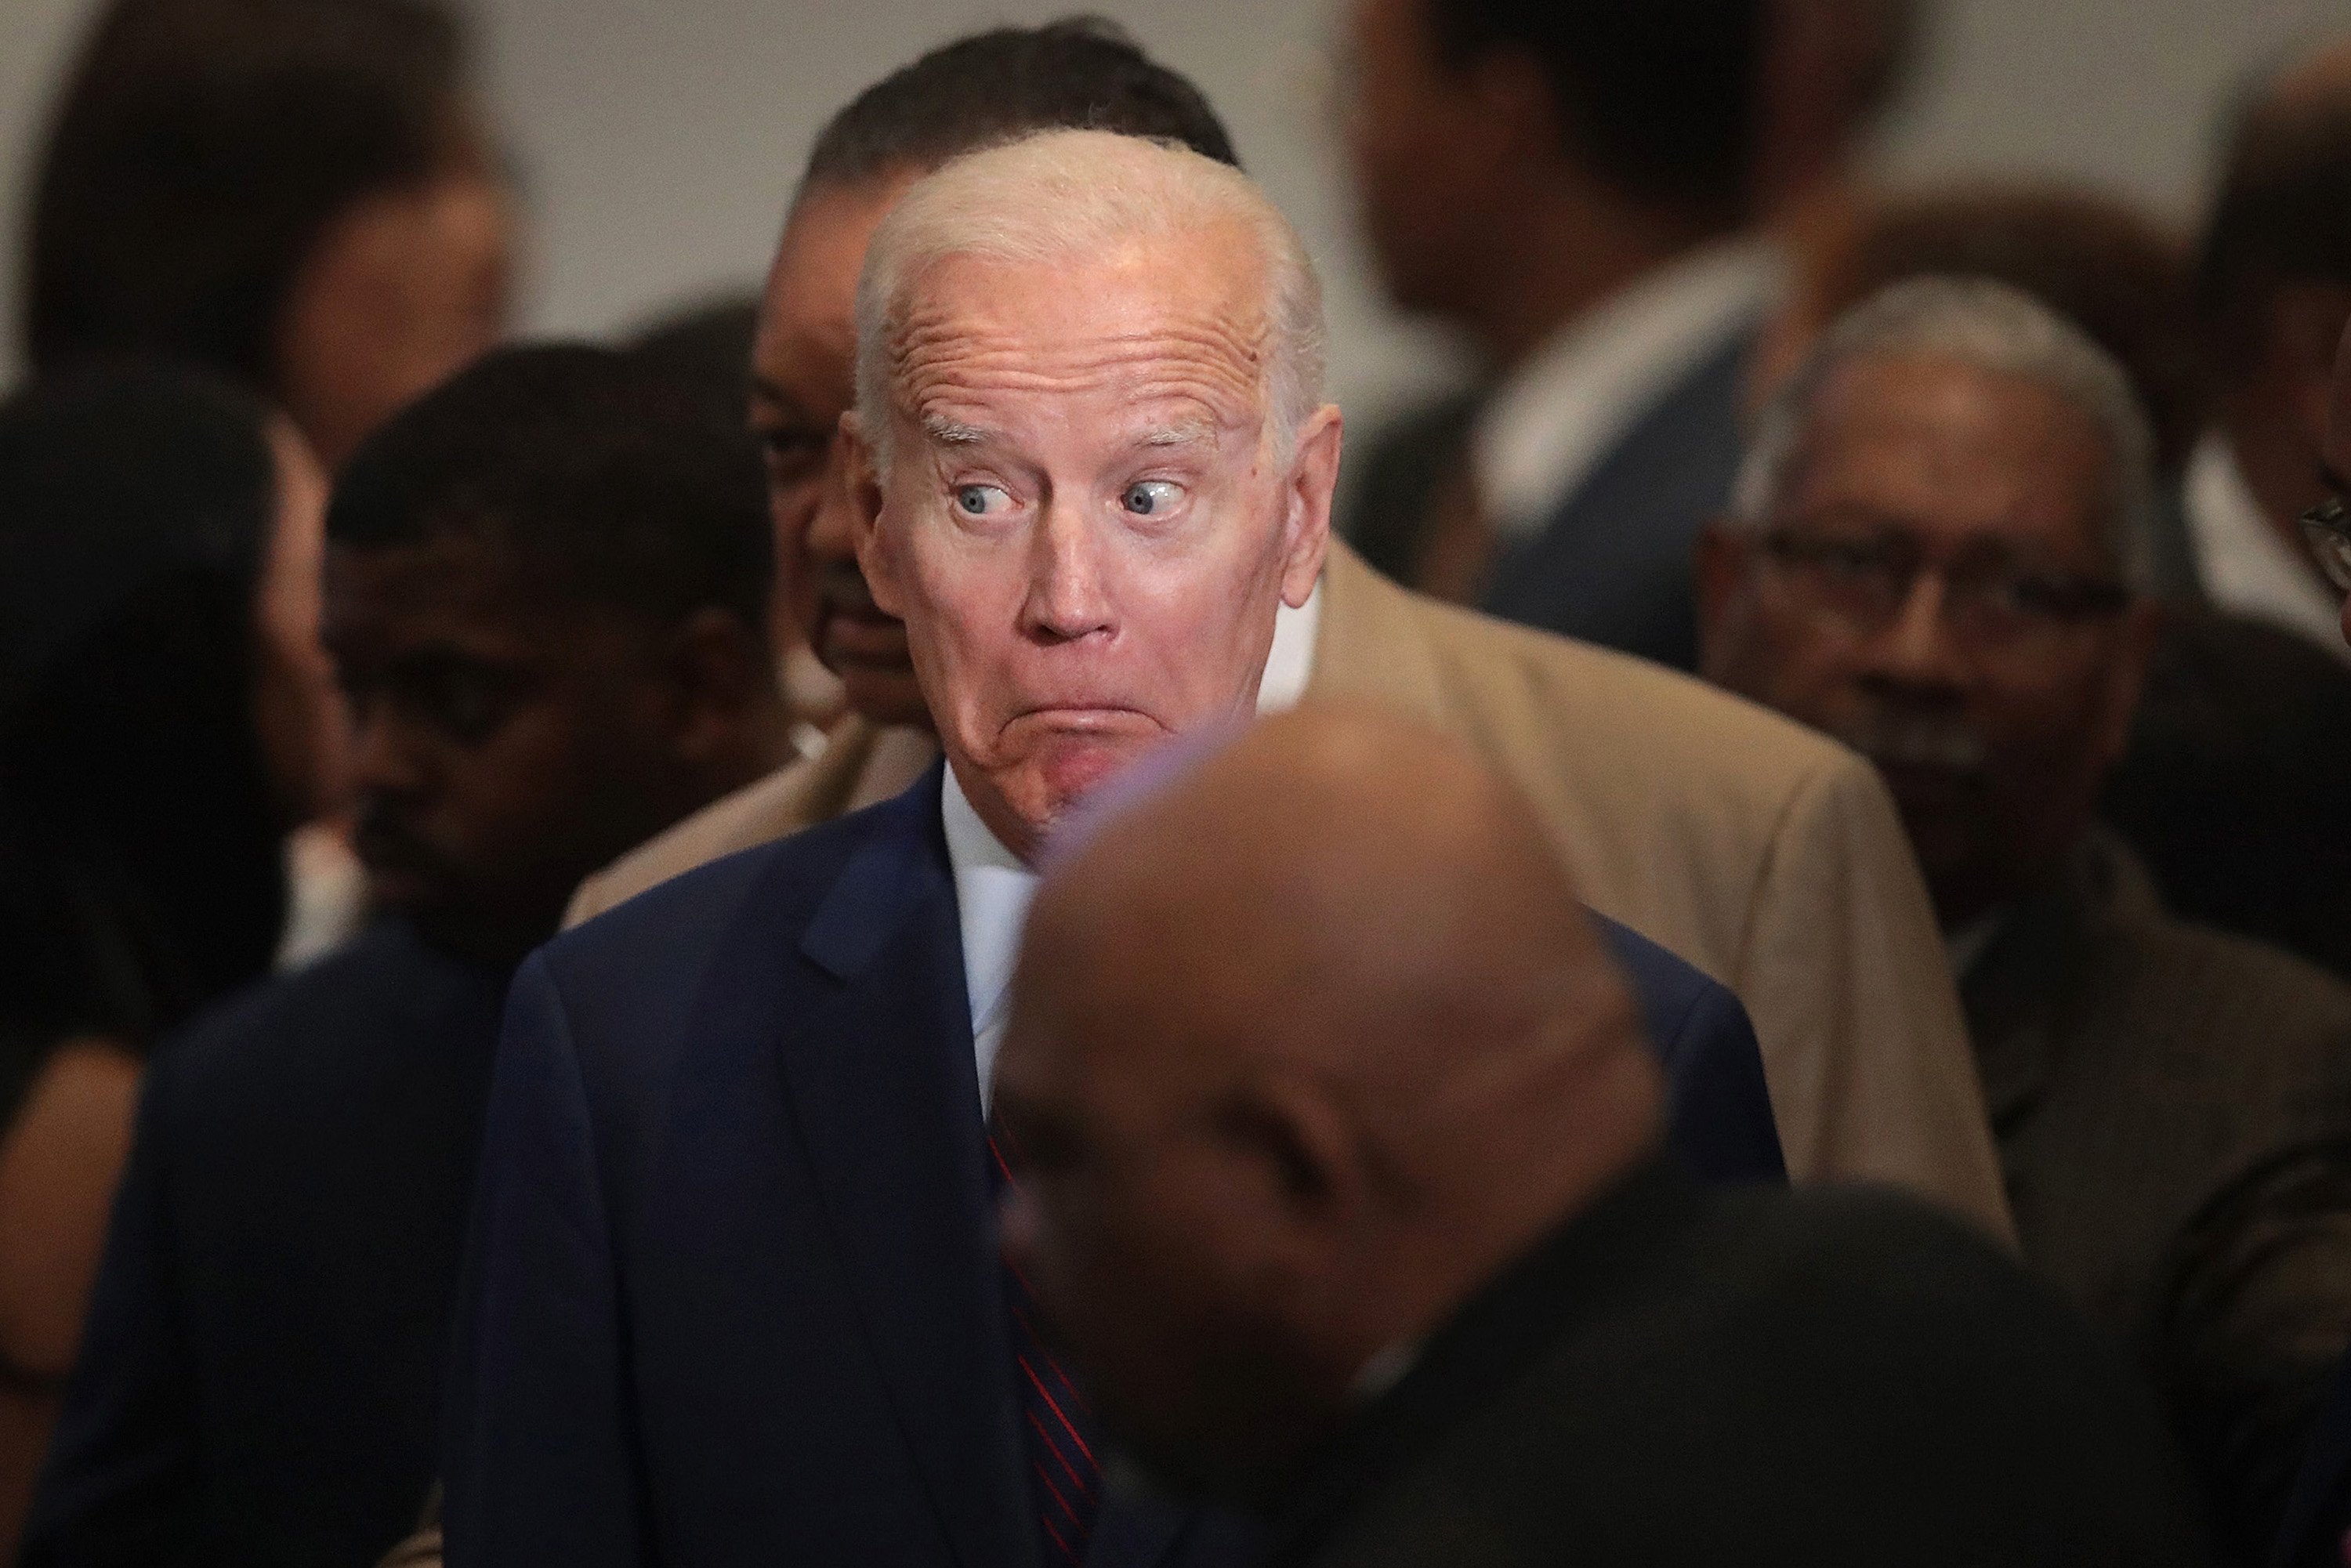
[733, 1294]
[1613, 564]
[1687, 1378]
[2144, 1077]
[261, 1382]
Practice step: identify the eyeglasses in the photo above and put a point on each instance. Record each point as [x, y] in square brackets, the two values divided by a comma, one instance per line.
[2328, 527]
[1990, 603]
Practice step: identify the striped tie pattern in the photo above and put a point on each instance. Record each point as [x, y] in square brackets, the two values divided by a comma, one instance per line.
[1065, 1478]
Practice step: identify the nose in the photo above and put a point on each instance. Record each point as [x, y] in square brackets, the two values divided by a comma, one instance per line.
[385, 761]
[1067, 601]
[1915, 650]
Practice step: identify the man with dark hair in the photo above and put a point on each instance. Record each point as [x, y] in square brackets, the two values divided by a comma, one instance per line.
[1577, 188]
[547, 590]
[2274, 288]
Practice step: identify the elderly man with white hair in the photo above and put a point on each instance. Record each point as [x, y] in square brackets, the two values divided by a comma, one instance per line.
[731, 1293]
[1937, 552]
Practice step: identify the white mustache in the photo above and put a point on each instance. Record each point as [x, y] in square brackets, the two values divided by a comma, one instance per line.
[1912, 740]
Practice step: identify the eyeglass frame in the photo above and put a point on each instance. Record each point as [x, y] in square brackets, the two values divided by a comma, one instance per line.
[2094, 599]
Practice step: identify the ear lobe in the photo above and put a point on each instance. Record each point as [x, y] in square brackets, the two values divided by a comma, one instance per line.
[1314, 481]
[1306, 1149]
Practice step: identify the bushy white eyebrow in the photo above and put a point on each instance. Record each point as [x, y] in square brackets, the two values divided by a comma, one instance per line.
[1191, 433]
[947, 433]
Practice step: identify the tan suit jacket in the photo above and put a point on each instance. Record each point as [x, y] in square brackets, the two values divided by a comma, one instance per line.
[1762, 854]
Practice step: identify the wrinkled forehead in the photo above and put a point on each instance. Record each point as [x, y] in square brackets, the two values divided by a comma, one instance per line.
[1167, 322]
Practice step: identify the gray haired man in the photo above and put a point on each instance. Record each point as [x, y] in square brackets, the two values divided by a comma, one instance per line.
[1936, 553]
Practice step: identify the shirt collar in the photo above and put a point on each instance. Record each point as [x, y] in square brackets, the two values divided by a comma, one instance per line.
[1547, 426]
[2244, 566]
[994, 887]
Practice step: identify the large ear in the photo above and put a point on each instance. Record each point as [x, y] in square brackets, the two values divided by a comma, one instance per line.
[1313, 482]
[1310, 1161]
[861, 479]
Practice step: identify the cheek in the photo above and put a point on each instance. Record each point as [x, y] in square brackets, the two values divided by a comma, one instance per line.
[1784, 658]
[507, 795]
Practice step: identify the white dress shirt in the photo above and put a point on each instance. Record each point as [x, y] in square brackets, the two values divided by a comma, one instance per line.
[1553, 419]
[994, 887]
[2241, 560]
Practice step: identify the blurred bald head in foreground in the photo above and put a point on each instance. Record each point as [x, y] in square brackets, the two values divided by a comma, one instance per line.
[1330, 1011]
[1343, 1182]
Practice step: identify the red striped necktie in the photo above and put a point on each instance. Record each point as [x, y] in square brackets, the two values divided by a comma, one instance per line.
[1064, 1474]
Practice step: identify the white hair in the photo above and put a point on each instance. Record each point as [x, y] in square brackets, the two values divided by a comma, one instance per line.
[1989, 326]
[1056, 195]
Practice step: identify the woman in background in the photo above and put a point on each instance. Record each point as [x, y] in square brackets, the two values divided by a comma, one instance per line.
[165, 715]
[294, 193]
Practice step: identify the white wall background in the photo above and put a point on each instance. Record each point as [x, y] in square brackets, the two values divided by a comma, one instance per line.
[659, 138]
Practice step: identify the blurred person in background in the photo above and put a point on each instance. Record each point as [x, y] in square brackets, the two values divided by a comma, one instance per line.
[1356, 1215]
[296, 193]
[162, 700]
[548, 594]
[1937, 551]
[2316, 1529]
[2246, 724]
[2237, 723]
[2111, 269]
[1093, 469]
[1684, 818]
[2274, 285]
[1584, 191]
[711, 343]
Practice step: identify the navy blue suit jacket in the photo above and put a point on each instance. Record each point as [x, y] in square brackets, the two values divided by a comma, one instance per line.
[1615, 564]
[262, 1368]
[731, 1293]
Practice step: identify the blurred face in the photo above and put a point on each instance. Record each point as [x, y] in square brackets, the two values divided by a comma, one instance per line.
[1427, 153]
[803, 381]
[1083, 524]
[1161, 1242]
[1933, 591]
[300, 714]
[401, 290]
[505, 745]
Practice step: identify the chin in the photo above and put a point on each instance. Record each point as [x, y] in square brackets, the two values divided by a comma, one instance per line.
[1069, 768]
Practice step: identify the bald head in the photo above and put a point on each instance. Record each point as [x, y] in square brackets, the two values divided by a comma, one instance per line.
[1305, 1047]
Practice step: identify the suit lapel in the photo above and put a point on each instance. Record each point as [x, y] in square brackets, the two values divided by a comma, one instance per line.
[885, 1090]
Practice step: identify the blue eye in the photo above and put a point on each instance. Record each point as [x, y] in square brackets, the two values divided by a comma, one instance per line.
[1150, 498]
[981, 500]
